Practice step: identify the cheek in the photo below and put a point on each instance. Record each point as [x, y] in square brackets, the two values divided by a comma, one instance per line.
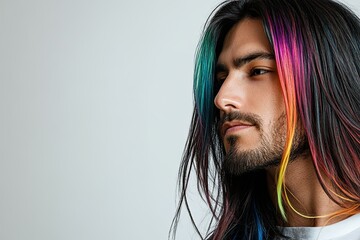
[272, 112]
[279, 126]
[266, 98]
[275, 108]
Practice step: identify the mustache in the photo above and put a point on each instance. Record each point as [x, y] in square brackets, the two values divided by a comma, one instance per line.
[250, 118]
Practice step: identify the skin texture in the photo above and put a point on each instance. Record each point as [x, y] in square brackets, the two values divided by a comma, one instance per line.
[252, 121]
[251, 89]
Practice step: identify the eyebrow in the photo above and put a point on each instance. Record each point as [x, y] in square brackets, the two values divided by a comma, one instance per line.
[241, 61]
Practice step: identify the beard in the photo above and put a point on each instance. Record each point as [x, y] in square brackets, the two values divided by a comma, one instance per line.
[270, 150]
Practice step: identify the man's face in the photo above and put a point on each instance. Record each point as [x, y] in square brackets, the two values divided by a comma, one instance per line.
[252, 113]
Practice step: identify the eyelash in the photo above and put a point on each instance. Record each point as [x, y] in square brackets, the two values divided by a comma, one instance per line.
[254, 72]
[220, 80]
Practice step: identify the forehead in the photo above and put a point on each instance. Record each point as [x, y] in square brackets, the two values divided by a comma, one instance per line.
[245, 37]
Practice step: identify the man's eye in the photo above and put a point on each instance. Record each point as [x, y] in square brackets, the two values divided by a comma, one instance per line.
[258, 71]
[220, 78]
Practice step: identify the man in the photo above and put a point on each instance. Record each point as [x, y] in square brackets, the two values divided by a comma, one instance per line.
[275, 134]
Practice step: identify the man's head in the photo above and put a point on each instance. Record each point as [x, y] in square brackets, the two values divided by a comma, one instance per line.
[273, 79]
[305, 54]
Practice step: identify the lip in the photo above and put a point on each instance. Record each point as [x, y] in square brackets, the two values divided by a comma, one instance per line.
[230, 127]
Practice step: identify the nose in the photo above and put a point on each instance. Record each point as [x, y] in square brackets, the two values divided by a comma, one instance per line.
[229, 96]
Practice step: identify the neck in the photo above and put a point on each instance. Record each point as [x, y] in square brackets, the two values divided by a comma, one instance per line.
[306, 195]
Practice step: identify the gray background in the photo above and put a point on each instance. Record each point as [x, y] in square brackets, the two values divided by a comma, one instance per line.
[95, 104]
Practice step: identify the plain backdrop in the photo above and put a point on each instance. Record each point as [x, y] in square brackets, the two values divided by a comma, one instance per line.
[95, 105]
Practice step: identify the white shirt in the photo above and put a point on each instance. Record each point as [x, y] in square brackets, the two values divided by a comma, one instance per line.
[348, 229]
